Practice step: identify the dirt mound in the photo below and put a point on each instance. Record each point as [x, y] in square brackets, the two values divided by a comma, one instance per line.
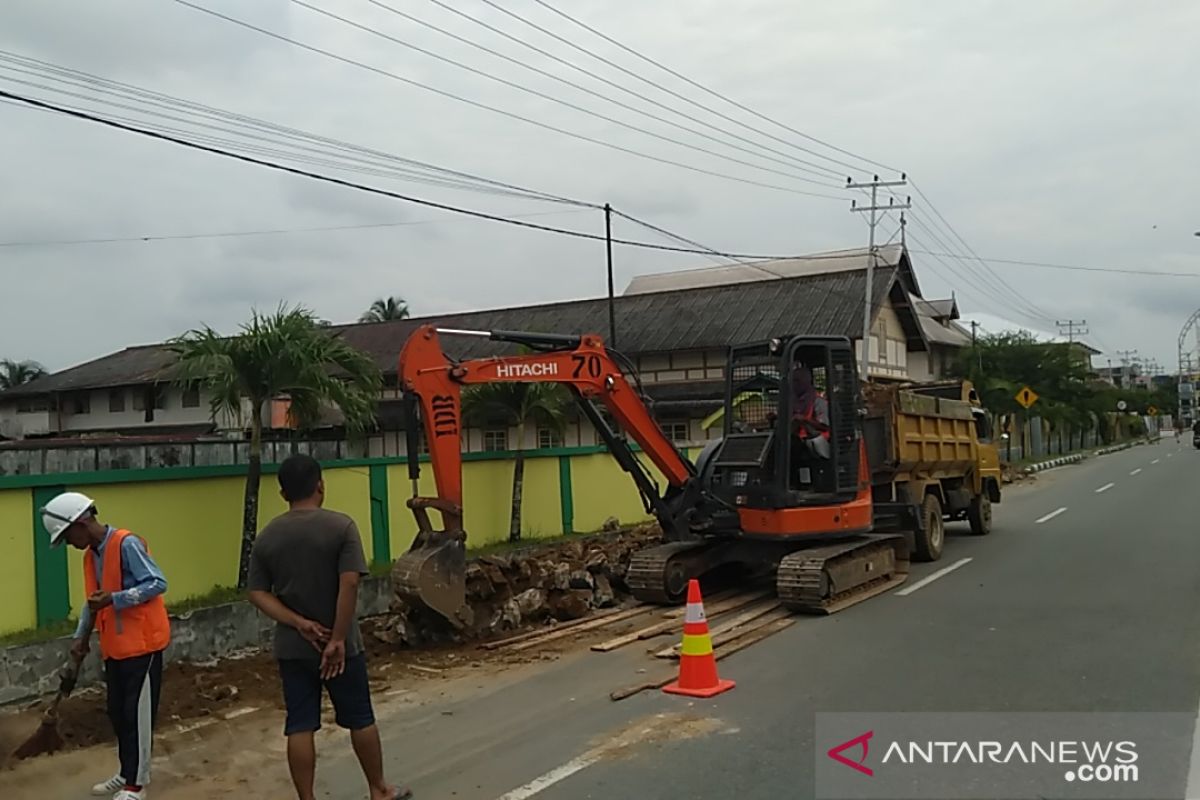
[541, 584]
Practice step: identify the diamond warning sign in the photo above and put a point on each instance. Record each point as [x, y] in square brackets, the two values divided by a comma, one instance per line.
[1027, 397]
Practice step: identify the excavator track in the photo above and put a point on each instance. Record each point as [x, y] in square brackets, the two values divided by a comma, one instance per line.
[823, 580]
[660, 574]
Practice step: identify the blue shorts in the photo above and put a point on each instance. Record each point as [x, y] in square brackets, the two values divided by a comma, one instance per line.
[350, 693]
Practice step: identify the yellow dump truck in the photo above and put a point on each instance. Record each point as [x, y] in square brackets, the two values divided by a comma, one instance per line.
[930, 448]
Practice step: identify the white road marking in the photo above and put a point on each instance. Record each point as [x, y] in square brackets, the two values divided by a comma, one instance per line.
[554, 776]
[1193, 778]
[941, 573]
[1155, 461]
[1050, 516]
[1170, 454]
[1105, 488]
[1136, 471]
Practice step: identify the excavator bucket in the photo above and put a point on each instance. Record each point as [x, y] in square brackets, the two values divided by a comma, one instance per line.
[433, 571]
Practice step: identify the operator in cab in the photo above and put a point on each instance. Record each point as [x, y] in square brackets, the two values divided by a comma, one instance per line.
[810, 413]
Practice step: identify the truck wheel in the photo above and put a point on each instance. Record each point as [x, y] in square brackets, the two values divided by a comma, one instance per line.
[979, 514]
[928, 543]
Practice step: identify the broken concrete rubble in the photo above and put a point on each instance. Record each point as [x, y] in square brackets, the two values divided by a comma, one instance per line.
[556, 581]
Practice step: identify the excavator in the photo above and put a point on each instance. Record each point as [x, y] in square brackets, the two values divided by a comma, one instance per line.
[761, 498]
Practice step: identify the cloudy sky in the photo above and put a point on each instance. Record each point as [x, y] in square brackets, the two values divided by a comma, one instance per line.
[1053, 131]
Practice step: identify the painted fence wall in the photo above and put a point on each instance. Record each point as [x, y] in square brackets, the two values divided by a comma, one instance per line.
[191, 517]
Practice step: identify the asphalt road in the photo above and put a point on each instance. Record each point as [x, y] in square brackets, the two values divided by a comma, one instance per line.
[1091, 608]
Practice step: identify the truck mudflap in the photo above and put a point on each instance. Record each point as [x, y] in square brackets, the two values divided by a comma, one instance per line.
[893, 517]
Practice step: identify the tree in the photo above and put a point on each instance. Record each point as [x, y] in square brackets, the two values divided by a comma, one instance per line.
[284, 354]
[18, 373]
[384, 309]
[517, 404]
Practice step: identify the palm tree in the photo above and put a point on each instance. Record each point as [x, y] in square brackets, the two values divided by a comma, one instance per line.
[384, 309]
[17, 373]
[286, 353]
[517, 404]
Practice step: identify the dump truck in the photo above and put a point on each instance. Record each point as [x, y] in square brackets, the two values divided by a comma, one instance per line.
[929, 447]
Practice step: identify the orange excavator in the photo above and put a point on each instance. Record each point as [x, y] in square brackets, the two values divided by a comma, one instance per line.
[768, 495]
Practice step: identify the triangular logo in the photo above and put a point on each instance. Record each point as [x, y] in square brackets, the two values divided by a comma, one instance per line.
[861, 740]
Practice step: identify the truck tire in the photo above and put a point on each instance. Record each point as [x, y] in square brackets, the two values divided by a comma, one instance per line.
[929, 542]
[979, 514]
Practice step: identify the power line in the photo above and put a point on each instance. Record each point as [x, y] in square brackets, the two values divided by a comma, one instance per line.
[718, 95]
[791, 161]
[494, 109]
[362, 187]
[1079, 267]
[106, 86]
[160, 237]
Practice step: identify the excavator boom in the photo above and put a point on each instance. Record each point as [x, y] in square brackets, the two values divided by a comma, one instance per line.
[432, 572]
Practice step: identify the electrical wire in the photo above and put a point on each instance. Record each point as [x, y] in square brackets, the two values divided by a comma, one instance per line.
[1077, 267]
[106, 86]
[791, 164]
[826, 171]
[714, 93]
[494, 109]
[4, 94]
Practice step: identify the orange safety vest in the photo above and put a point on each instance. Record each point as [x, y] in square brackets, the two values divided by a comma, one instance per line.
[133, 631]
[809, 421]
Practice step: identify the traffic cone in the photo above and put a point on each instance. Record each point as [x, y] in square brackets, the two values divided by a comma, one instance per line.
[697, 664]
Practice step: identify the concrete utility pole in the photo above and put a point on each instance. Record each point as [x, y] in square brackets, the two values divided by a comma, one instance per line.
[612, 308]
[872, 252]
[1072, 327]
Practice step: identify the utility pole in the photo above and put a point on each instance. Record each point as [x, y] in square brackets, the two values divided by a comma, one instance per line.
[1070, 328]
[612, 309]
[1126, 357]
[975, 347]
[872, 252]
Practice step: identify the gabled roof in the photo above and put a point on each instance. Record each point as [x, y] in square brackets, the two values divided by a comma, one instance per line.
[888, 256]
[683, 319]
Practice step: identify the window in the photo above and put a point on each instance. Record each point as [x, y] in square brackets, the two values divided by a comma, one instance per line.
[547, 438]
[32, 405]
[160, 397]
[676, 431]
[80, 404]
[191, 397]
[116, 401]
[139, 399]
[495, 439]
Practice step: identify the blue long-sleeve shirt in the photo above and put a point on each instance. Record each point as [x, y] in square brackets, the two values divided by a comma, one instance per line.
[141, 579]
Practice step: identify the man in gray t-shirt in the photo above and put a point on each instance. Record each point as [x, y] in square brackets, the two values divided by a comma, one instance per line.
[304, 574]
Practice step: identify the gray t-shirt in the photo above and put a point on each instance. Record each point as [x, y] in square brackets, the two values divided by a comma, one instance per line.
[299, 557]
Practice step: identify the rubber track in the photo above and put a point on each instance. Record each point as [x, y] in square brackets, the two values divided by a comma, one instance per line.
[801, 578]
[646, 577]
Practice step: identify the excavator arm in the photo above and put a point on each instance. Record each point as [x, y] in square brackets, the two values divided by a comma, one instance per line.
[432, 571]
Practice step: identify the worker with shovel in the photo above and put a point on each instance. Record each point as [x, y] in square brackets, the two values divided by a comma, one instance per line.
[125, 605]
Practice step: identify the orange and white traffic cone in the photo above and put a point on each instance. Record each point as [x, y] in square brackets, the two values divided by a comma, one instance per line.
[697, 664]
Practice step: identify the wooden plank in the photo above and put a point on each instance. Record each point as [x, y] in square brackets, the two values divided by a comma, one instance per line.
[730, 604]
[521, 637]
[587, 626]
[720, 603]
[738, 621]
[719, 597]
[743, 641]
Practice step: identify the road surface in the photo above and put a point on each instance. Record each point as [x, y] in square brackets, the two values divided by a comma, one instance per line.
[1086, 597]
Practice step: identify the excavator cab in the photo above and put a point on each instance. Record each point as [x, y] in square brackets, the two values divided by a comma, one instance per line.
[792, 427]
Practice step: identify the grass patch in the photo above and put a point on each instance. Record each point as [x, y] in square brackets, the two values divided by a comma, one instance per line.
[54, 630]
[216, 596]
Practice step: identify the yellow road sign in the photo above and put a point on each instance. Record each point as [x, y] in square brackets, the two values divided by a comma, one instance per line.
[1152, 411]
[1027, 397]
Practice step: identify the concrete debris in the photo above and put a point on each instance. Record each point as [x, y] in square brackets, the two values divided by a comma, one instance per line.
[539, 584]
[610, 525]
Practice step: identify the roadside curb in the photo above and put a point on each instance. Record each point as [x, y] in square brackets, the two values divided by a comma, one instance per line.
[1061, 461]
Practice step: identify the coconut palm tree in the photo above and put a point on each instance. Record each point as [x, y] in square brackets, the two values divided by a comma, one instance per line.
[284, 354]
[384, 309]
[17, 373]
[517, 404]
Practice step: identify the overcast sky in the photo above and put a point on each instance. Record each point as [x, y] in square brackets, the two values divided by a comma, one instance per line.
[1049, 131]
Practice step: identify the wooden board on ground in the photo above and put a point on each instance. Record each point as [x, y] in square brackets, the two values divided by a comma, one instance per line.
[729, 604]
[527, 635]
[587, 626]
[721, 630]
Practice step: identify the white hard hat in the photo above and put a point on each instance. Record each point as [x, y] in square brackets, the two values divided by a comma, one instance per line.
[62, 511]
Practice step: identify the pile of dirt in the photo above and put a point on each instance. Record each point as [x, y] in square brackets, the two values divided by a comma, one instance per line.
[541, 584]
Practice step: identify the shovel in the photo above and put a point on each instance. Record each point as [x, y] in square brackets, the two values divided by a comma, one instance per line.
[47, 739]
